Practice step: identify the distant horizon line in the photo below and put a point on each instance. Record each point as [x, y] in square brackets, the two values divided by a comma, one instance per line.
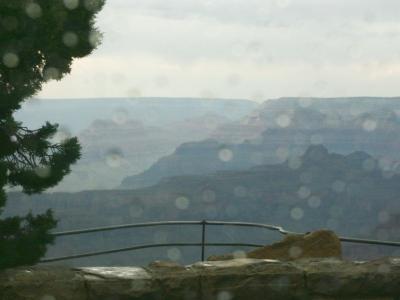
[210, 98]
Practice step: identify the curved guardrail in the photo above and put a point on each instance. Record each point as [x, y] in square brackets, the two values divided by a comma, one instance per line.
[203, 244]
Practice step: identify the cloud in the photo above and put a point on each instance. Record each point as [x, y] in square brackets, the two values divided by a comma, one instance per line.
[239, 48]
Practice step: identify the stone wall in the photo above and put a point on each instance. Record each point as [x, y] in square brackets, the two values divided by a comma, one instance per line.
[220, 280]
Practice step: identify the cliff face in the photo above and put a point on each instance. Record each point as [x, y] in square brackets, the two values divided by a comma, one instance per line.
[220, 280]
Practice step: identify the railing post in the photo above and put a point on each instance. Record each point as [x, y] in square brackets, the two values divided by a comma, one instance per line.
[203, 238]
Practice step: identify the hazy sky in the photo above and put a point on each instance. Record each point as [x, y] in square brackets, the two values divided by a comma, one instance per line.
[254, 49]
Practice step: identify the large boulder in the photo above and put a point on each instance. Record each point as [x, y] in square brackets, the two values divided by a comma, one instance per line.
[317, 244]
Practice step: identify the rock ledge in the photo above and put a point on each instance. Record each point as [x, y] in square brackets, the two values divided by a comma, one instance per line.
[220, 280]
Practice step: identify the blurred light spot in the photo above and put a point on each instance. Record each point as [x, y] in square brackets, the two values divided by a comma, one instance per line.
[225, 154]
[43, 171]
[92, 5]
[314, 201]
[48, 297]
[182, 203]
[240, 191]
[338, 186]
[33, 10]
[383, 217]
[316, 139]
[369, 125]
[114, 158]
[297, 213]
[303, 192]
[383, 268]
[62, 135]
[209, 196]
[9, 23]
[174, 254]
[134, 93]
[385, 164]
[295, 163]
[369, 164]
[283, 121]
[13, 139]
[305, 102]
[70, 39]
[51, 73]
[282, 153]
[224, 295]
[239, 254]
[207, 94]
[295, 252]
[10, 60]
[71, 4]
[95, 38]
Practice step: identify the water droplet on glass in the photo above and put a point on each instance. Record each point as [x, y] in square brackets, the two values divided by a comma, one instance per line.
[239, 254]
[70, 39]
[48, 297]
[9, 23]
[369, 125]
[297, 213]
[305, 102]
[282, 153]
[92, 5]
[295, 252]
[338, 186]
[174, 254]
[283, 121]
[114, 158]
[225, 155]
[303, 192]
[43, 171]
[71, 4]
[95, 38]
[295, 162]
[314, 202]
[182, 203]
[224, 295]
[51, 73]
[33, 10]
[10, 60]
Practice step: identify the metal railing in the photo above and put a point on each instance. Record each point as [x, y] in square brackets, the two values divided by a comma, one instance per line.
[203, 244]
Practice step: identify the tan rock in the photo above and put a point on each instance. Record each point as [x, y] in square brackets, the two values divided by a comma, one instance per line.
[317, 244]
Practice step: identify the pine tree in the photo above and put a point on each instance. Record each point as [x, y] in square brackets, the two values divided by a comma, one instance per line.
[38, 42]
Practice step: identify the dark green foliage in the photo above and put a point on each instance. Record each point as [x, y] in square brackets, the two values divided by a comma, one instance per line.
[38, 42]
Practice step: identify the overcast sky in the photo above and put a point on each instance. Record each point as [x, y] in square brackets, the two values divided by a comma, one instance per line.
[255, 49]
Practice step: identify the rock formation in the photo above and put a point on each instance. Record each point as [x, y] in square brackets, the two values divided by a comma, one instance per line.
[317, 244]
[238, 279]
